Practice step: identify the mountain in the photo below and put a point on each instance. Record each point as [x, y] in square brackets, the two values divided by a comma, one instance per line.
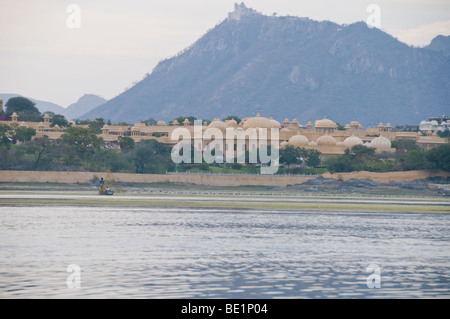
[440, 44]
[291, 67]
[84, 104]
[43, 106]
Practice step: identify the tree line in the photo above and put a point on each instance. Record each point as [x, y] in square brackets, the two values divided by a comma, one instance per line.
[81, 149]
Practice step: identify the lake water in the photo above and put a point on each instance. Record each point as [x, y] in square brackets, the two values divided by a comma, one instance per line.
[188, 253]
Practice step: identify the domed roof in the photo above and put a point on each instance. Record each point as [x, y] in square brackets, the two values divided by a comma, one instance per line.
[312, 143]
[260, 122]
[217, 123]
[284, 144]
[325, 123]
[298, 140]
[231, 123]
[326, 140]
[352, 141]
[380, 142]
[160, 123]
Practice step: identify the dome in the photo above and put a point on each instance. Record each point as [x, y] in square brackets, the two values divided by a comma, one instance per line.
[312, 143]
[160, 123]
[217, 123]
[298, 140]
[284, 144]
[326, 140]
[231, 123]
[352, 141]
[274, 124]
[260, 122]
[325, 123]
[186, 122]
[380, 142]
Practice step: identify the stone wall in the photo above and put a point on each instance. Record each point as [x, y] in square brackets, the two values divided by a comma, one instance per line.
[206, 179]
[203, 179]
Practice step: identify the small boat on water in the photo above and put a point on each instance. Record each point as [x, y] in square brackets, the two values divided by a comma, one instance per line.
[104, 190]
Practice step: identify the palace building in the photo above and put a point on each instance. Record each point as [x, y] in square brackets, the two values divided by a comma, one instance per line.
[324, 135]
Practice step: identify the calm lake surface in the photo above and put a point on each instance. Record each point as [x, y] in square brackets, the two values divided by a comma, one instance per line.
[188, 253]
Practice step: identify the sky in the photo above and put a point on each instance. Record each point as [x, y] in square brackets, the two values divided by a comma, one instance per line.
[59, 50]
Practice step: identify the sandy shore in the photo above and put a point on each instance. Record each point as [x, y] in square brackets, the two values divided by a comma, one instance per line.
[172, 196]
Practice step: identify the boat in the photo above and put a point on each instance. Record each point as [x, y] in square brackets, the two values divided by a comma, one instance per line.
[106, 192]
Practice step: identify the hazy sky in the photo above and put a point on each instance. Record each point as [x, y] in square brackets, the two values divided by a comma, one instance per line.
[118, 42]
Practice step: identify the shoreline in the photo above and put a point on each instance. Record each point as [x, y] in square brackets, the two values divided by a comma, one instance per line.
[231, 200]
[410, 192]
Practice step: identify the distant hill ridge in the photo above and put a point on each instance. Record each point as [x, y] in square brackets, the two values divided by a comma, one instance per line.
[292, 67]
[85, 104]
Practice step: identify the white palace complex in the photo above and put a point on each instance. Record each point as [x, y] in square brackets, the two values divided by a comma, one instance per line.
[322, 135]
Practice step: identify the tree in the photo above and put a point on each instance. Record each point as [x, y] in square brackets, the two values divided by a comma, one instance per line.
[24, 108]
[151, 156]
[126, 143]
[40, 149]
[439, 157]
[290, 155]
[313, 158]
[60, 120]
[150, 122]
[415, 159]
[97, 125]
[5, 135]
[81, 140]
[24, 134]
[339, 164]
[362, 156]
